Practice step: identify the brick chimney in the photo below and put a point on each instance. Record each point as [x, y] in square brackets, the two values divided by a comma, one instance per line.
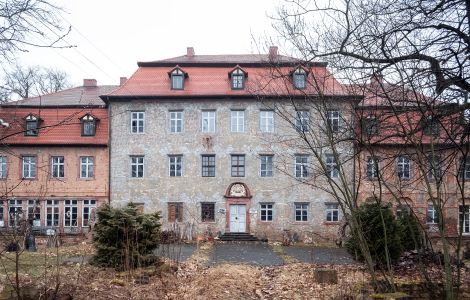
[190, 51]
[273, 53]
[89, 82]
[122, 80]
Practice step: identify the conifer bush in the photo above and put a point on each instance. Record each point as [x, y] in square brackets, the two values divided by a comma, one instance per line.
[412, 237]
[124, 238]
[373, 228]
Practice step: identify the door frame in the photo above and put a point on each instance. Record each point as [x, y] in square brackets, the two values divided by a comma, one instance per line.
[244, 199]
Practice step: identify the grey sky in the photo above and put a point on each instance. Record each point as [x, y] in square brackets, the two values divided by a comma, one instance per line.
[111, 36]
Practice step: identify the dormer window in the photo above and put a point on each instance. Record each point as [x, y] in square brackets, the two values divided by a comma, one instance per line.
[31, 125]
[237, 78]
[88, 123]
[177, 77]
[299, 78]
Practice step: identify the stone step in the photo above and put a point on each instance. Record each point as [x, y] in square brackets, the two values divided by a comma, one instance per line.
[238, 236]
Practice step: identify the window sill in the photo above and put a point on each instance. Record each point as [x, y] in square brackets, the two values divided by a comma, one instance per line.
[208, 222]
[330, 223]
[27, 178]
[300, 222]
[87, 179]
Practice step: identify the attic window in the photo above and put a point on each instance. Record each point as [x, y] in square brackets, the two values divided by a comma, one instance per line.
[31, 125]
[299, 78]
[88, 124]
[431, 125]
[237, 78]
[177, 78]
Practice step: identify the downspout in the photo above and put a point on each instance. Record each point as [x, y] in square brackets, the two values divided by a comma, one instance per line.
[109, 151]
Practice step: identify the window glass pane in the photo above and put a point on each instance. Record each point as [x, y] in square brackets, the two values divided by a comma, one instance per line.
[207, 212]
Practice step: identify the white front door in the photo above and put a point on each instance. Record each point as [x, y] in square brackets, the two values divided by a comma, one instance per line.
[237, 218]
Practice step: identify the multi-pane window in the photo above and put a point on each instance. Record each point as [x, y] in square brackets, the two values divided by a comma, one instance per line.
[88, 125]
[333, 118]
[208, 165]
[70, 213]
[302, 120]
[266, 211]
[299, 78]
[465, 168]
[238, 79]
[2, 221]
[34, 212]
[207, 212]
[176, 121]
[175, 212]
[175, 165]
[370, 125]
[88, 215]
[29, 167]
[372, 167]
[434, 167]
[31, 126]
[86, 167]
[57, 167]
[301, 166]
[431, 125]
[331, 166]
[266, 165]
[52, 213]
[3, 167]
[208, 121]
[137, 166]
[301, 212]
[464, 218]
[237, 119]
[432, 215]
[238, 165]
[177, 79]
[137, 121]
[266, 121]
[403, 167]
[332, 212]
[15, 212]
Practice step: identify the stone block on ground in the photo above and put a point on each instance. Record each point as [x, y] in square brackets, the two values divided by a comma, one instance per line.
[328, 276]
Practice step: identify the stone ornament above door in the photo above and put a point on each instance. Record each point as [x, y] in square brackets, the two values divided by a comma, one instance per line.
[238, 190]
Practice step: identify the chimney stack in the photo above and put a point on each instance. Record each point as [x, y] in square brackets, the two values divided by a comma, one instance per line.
[190, 51]
[89, 83]
[273, 53]
[122, 80]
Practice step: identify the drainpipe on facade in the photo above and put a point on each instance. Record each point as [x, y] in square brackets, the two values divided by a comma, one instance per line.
[109, 153]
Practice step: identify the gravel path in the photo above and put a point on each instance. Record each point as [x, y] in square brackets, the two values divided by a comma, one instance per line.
[248, 253]
[336, 256]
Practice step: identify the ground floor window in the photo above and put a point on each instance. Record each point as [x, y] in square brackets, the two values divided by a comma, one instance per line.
[332, 212]
[70, 213]
[175, 212]
[2, 222]
[52, 213]
[301, 212]
[266, 210]
[464, 218]
[432, 215]
[207, 212]
[88, 214]
[15, 212]
[34, 213]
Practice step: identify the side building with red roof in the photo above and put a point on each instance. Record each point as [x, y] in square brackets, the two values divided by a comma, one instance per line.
[196, 137]
[54, 159]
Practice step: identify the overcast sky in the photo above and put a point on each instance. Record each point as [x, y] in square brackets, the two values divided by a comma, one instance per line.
[111, 36]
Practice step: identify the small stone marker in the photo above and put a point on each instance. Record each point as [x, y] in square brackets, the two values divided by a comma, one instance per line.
[328, 276]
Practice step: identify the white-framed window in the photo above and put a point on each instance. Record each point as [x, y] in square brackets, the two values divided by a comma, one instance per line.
[208, 121]
[34, 213]
[57, 167]
[137, 121]
[434, 167]
[266, 120]
[464, 218]
[88, 214]
[70, 213]
[403, 167]
[238, 79]
[31, 126]
[208, 165]
[52, 213]
[331, 166]
[332, 212]
[176, 121]
[137, 166]
[266, 211]
[432, 216]
[302, 120]
[3, 167]
[2, 220]
[301, 166]
[333, 118]
[465, 168]
[175, 165]
[237, 118]
[301, 212]
[266, 165]
[372, 167]
[87, 167]
[88, 124]
[177, 79]
[237, 165]
[15, 212]
[299, 78]
[29, 167]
